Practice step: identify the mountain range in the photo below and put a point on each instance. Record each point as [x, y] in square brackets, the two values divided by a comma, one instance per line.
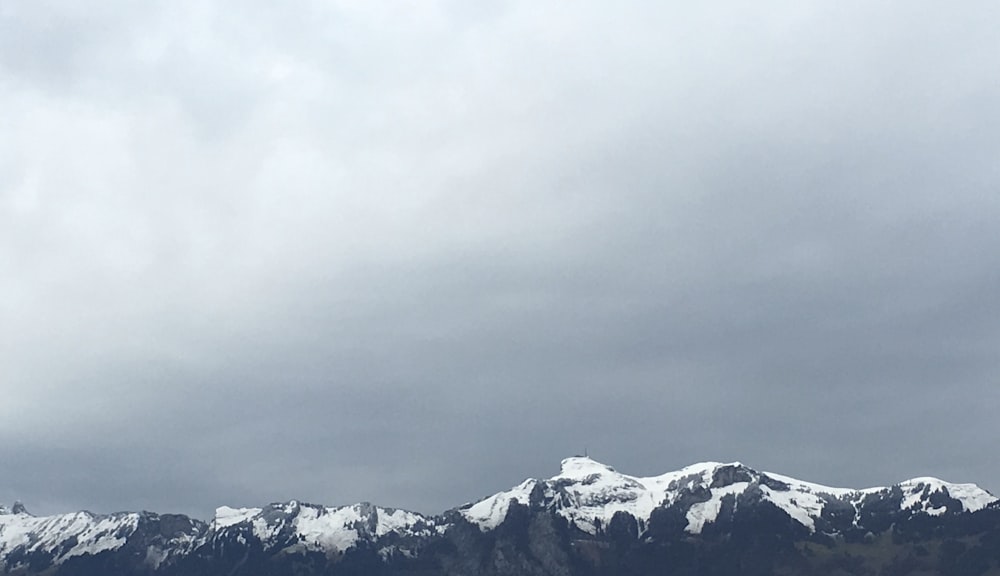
[708, 518]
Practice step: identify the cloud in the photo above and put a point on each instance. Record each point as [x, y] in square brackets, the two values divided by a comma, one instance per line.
[411, 254]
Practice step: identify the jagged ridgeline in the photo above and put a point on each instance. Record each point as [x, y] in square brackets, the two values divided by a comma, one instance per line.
[589, 520]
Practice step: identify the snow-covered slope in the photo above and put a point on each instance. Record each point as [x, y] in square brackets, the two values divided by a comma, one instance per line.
[296, 526]
[588, 494]
[51, 540]
[278, 528]
[89, 533]
[709, 498]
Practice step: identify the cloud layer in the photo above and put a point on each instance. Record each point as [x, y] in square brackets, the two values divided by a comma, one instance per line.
[412, 253]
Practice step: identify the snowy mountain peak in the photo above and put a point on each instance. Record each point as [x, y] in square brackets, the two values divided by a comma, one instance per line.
[582, 466]
[63, 536]
[710, 499]
[588, 494]
[297, 525]
[921, 492]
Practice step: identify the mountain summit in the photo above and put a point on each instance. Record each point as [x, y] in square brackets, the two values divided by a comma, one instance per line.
[589, 519]
[588, 494]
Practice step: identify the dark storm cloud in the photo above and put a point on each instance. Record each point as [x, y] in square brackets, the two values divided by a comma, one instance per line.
[412, 254]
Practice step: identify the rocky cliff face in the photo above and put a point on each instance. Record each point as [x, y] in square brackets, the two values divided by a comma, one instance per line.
[587, 520]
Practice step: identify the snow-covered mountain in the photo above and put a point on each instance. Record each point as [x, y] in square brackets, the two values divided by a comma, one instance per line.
[298, 527]
[586, 502]
[588, 494]
[30, 543]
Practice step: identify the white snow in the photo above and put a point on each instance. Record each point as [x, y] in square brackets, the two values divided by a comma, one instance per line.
[971, 497]
[395, 521]
[488, 513]
[585, 492]
[93, 534]
[328, 529]
[813, 488]
[588, 494]
[704, 512]
[803, 507]
[605, 492]
[226, 516]
[178, 545]
[591, 493]
[325, 529]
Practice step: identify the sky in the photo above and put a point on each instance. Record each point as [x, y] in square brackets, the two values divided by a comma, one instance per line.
[412, 252]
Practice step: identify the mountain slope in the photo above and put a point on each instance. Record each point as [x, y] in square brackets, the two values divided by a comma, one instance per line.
[588, 519]
[588, 494]
[32, 544]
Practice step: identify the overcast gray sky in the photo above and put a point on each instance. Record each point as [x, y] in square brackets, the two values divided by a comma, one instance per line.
[414, 252]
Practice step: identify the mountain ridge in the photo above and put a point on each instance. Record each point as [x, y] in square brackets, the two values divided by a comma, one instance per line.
[639, 496]
[587, 502]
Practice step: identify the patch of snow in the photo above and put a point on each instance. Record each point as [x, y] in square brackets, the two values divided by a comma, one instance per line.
[226, 516]
[588, 494]
[176, 546]
[705, 512]
[325, 529]
[912, 497]
[395, 521]
[971, 497]
[803, 507]
[90, 534]
[490, 512]
[596, 492]
[812, 488]
[328, 529]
